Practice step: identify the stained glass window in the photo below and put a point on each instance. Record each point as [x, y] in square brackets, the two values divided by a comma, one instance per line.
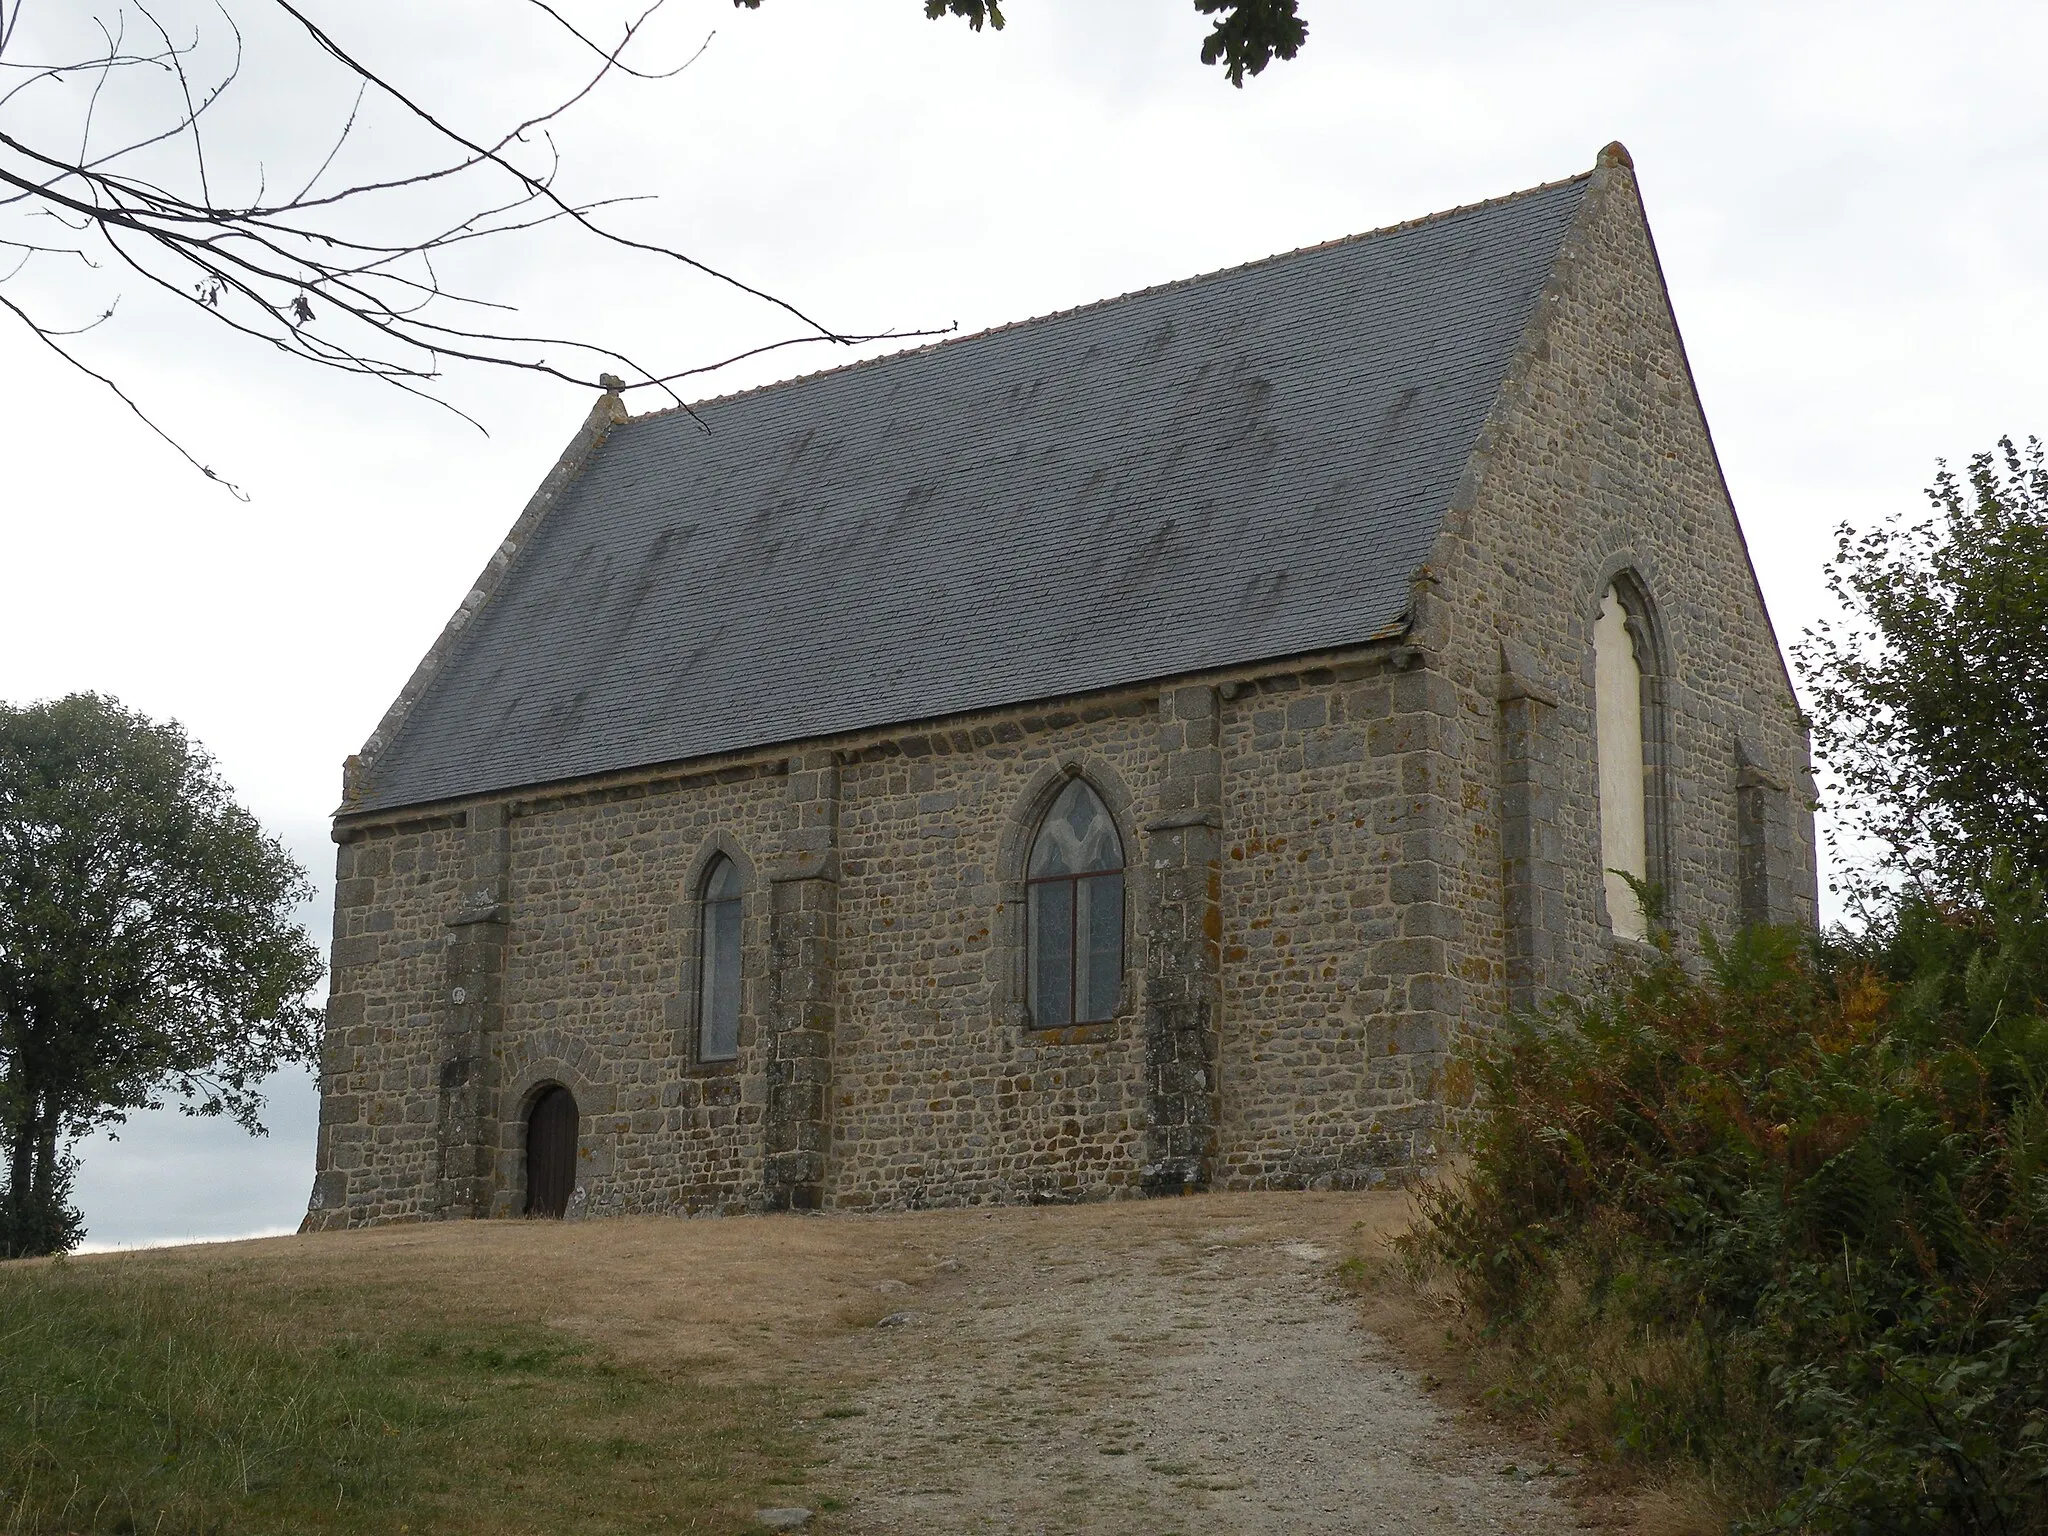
[718, 1037]
[1075, 914]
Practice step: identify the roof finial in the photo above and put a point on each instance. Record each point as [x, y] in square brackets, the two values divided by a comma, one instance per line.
[610, 383]
[1615, 154]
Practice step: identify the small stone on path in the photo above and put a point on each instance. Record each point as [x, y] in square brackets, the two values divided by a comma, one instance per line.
[782, 1519]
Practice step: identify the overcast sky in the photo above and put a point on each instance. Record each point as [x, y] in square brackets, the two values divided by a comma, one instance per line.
[1849, 200]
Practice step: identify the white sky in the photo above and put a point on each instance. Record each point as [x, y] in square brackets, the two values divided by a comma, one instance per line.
[1850, 199]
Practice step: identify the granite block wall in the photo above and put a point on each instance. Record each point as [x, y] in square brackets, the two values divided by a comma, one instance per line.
[1336, 866]
[600, 990]
[1597, 464]
[942, 1092]
[1334, 936]
[380, 1072]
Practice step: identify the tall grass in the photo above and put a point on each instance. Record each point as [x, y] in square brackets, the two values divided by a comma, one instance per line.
[140, 1398]
[1783, 1223]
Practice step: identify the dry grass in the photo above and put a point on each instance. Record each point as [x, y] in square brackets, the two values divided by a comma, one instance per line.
[752, 1295]
[1417, 1308]
[628, 1375]
[1680, 1506]
[631, 1374]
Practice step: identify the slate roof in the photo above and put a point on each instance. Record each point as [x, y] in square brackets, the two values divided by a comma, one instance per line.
[1240, 466]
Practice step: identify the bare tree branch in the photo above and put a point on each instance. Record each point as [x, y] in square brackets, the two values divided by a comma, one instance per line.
[662, 74]
[48, 339]
[319, 275]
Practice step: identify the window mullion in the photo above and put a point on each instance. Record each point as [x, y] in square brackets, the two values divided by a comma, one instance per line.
[1079, 983]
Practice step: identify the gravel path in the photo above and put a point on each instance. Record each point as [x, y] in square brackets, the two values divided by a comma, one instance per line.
[1182, 1367]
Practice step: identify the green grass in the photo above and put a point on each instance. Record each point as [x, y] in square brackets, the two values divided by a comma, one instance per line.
[153, 1398]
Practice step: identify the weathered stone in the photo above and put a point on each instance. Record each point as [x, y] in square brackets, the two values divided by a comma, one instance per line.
[1336, 868]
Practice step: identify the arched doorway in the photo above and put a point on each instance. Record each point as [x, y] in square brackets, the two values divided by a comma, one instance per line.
[551, 1153]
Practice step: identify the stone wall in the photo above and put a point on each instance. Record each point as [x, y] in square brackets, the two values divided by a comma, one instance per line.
[380, 1072]
[1597, 463]
[1335, 866]
[935, 1086]
[1334, 936]
[600, 989]
[942, 1091]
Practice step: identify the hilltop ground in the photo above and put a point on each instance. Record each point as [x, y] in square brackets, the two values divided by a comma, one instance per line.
[1186, 1366]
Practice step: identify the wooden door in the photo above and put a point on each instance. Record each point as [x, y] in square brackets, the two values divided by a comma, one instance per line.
[551, 1153]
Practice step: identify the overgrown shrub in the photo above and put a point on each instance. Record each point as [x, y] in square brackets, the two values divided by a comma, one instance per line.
[1804, 1195]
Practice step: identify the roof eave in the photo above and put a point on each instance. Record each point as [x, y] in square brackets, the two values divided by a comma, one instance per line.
[1391, 639]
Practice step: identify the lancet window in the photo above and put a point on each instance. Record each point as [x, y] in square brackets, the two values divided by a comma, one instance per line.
[1625, 787]
[1075, 912]
[718, 1003]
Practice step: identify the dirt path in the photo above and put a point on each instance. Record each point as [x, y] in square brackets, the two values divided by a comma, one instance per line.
[1183, 1367]
[1143, 1367]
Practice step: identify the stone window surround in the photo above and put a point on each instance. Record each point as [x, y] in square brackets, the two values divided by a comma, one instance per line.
[1079, 887]
[1631, 576]
[686, 925]
[1013, 958]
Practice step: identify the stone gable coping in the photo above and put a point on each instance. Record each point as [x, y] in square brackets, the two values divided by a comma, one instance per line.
[1613, 175]
[610, 411]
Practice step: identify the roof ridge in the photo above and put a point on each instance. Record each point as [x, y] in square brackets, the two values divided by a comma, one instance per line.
[1133, 293]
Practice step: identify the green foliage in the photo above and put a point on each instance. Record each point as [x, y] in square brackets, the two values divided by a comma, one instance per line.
[1787, 1221]
[1811, 1186]
[138, 1399]
[1249, 35]
[1931, 702]
[47, 1221]
[975, 12]
[147, 945]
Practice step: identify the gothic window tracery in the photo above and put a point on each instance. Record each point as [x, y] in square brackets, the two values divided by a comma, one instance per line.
[1075, 912]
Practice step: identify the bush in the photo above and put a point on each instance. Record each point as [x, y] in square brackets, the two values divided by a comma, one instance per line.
[1804, 1196]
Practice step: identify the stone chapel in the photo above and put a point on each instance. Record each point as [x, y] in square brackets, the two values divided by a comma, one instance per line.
[1120, 752]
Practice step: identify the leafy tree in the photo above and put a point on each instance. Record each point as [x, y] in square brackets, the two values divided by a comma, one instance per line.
[1251, 35]
[1931, 700]
[147, 946]
[1248, 37]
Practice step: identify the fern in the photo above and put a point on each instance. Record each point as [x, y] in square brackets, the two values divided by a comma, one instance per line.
[1813, 1178]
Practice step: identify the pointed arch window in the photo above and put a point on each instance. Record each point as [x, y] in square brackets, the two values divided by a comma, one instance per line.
[1075, 912]
[718, 969]
[1624, 775]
